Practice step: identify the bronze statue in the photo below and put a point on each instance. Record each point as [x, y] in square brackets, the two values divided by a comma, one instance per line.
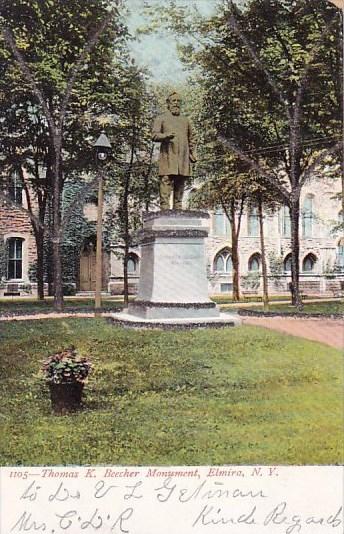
[177, 152]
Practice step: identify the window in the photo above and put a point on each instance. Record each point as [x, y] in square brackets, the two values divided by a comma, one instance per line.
[254, 262]
[133, 263]
[253, 222]
[308, 263]
[285, 222]
[223, 262]
[340, 254]
[287, 263]
[15, 190]
[226, 288]
[15, 258]
[221, 223]
[307, 216]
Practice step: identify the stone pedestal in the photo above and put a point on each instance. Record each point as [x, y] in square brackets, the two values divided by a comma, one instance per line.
[173, 286]
[173, 280]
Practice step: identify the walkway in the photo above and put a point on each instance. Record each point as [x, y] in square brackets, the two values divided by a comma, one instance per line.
[328, 331]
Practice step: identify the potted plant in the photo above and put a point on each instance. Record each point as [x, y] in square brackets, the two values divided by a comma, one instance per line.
[66, 373]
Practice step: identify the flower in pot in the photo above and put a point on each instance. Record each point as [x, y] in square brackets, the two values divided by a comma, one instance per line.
[66, 373]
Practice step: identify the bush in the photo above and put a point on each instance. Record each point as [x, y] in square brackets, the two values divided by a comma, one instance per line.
[69, 289]
[66, 367]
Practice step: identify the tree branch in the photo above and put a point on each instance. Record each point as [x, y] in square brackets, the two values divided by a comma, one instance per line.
[8, 38]
[256, 167]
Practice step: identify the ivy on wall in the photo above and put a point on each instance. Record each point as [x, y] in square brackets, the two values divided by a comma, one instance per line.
[3, 259]
[77, 234]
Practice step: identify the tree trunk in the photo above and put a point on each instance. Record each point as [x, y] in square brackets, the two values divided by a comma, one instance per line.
[126, 238]
[38, 229]
[125, 275]
[263, 254]
[235, 255]
[40, 263]
[49, 251]
[295, 251]
[58, 290]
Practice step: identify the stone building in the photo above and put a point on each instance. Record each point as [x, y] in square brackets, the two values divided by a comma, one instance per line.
[17, 239]
[321, 253]
[321, 246]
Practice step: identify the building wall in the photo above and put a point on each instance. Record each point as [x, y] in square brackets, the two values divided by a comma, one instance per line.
[322, 243]
[15, 223]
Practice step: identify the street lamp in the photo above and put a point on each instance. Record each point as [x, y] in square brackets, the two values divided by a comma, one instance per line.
[103, 148]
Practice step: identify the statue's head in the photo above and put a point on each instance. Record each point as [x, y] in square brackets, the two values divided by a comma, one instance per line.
[174, 103]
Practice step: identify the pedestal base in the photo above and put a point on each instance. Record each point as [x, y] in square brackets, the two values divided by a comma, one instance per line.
[173, 310]
[173, 286]
[224, 320]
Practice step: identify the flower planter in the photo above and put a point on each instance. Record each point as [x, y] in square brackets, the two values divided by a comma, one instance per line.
[66, 397]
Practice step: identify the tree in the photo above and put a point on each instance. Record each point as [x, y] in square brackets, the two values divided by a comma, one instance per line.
[268, 73]
[135, 181]
[64, 63]
[265, 199]
[227, 189]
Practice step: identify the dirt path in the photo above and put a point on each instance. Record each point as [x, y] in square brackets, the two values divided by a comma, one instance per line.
[328, 331]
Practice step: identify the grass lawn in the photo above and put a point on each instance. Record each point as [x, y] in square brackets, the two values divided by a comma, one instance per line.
[240, 396]
[328, 307]
[27, 305]
[32, 305]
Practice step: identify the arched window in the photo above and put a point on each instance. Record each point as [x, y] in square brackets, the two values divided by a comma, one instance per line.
[307, 216]
[285, 222]
[340, 254]
[223, 262]
[133, 264]
[287, 263]
[221, 223]
[253, 222]
[15, 258]
[308, 263]
[15, 189]
[254, 262]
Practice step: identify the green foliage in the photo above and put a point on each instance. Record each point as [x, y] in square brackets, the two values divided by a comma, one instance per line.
[77, 234]
[66, 367]
[309, 308]
[29, 305]
[276, 264]
[251, 280]
[155, 397]
[51, 37]
[3, 258]
[69, 289]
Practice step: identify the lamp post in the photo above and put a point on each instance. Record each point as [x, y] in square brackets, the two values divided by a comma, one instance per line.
[340, 5]
[103, 148]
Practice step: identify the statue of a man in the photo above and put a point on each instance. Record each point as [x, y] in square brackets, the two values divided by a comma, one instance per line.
[175, 134]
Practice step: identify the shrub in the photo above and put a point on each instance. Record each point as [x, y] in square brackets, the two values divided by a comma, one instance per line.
[66, 367]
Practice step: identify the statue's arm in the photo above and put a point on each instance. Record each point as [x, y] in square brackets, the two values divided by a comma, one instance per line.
[157, 134]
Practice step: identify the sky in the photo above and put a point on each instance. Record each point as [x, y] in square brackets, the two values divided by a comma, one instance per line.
[158, 51]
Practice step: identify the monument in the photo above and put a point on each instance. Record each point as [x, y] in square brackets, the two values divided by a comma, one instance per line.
[173, 286]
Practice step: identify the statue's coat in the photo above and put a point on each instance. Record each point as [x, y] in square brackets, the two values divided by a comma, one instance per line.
[177, 153]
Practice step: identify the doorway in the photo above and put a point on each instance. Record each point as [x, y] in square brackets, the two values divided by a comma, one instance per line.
[88, 268]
